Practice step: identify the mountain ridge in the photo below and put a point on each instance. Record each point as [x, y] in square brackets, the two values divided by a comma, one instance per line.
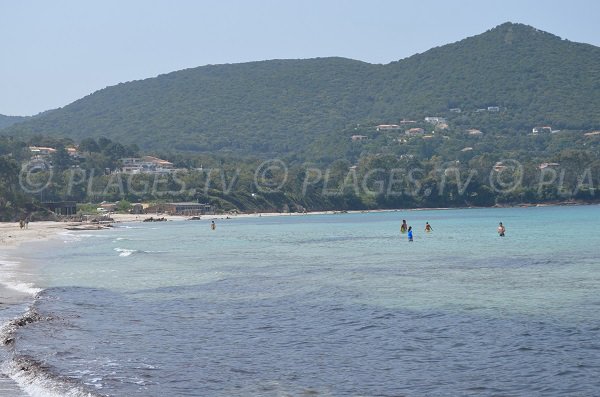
[278, 107]
[7, 121]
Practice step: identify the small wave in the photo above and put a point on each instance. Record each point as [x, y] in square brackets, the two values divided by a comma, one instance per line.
[117, 239]
[37, 379]
[70, 237]
[8, 279]
[125, 251]
[33, 377]
[27, 288]
[6, 262]
[8, 329]
[128, 252]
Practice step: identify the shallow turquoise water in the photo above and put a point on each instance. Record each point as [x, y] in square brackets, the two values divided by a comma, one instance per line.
[327, 305]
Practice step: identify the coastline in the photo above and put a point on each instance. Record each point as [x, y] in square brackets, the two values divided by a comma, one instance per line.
[16, 296]
[140, 218]
[11, 236]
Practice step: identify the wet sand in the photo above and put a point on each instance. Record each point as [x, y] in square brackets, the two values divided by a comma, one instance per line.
[12, 237]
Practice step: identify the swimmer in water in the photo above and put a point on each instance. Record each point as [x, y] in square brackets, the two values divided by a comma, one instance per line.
[403, 227]
[501, 230]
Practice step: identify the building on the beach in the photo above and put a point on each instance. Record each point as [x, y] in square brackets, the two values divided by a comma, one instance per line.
[137, 208]
[181, 209]
[146, 165]
[107, 207]
[62, 207]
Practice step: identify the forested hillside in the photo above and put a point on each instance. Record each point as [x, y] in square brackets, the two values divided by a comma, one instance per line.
[533, 76]
[303, 107]
[7, 121]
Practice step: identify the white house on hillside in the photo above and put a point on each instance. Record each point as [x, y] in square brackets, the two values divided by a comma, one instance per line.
[435, 120]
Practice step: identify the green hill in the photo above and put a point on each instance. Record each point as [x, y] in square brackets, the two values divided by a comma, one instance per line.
[7, 121]
[281, 107]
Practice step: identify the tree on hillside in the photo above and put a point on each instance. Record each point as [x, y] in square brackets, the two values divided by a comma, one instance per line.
[89, 145]
[61, 160]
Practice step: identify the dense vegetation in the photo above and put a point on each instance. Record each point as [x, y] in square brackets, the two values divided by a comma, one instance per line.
[422, 176]
[219, 123]
[7, 121]
[285, 107]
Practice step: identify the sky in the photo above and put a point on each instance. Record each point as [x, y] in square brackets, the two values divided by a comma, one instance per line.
[54, 52]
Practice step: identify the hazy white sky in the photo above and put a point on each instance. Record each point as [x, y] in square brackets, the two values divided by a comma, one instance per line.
[54, 52]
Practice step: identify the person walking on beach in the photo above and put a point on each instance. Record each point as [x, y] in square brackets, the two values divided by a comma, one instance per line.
[501, 230]
[428, 227]
[213, 225]
[403, 227]
[410, 234]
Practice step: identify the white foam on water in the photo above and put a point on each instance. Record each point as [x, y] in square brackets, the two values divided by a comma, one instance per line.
[9, 278]
[68, 237]
[125, 251]
[27, 288]
[33, 380]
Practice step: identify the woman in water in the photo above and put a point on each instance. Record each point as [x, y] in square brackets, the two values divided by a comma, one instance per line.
[410, 234]
[403, 227]
[428, 227]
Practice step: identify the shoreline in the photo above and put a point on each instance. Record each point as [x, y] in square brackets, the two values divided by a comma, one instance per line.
[140, 218]
[15, 294]
[11, 236]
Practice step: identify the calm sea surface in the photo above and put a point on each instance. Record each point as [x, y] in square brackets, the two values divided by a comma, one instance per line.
[320, 305]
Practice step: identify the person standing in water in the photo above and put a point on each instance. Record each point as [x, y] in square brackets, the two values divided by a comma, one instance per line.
[213, 225]
[428, 227]
[501, 230]
[403, 227]
[410, 234]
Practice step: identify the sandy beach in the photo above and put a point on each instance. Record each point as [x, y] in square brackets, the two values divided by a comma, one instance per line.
[11, 235]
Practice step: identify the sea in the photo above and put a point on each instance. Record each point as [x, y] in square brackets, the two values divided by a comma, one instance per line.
[313, 305]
